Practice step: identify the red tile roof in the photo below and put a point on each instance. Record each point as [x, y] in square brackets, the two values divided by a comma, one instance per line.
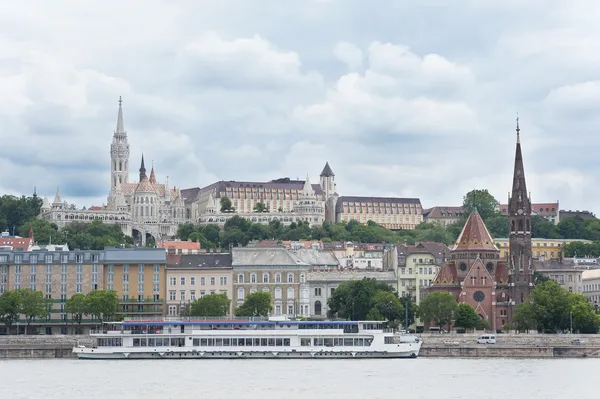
[17, 243]
[475, 236]
[189, 245]
[542, 208]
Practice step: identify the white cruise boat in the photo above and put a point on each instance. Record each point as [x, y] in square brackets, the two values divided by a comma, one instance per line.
[235, 339]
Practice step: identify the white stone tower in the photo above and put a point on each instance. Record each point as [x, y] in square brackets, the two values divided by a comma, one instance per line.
[327, 180]
[119, 153]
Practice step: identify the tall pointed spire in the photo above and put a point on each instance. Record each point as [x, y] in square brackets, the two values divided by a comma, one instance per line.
[327, 172]
[519, 184]
[518, 130]
[120, 130]
[307, 189]
[152, 176]
[143, 170]
[57, 196]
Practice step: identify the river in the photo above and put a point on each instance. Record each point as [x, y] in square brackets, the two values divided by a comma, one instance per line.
[286, 379]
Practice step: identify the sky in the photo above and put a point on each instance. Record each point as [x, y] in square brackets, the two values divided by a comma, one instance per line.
[404, 98]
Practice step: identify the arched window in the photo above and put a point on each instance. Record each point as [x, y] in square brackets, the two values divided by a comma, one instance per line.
[512, 225]
[302, 278]
[240, 293]
[240, 278]
[290, 293]
[120, 166]
[521, 225]
[278, 278]
[290, 277]
[253, 278]
[265, 278]
[318, 308]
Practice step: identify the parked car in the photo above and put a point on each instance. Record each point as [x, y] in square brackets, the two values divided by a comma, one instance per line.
[578, 341]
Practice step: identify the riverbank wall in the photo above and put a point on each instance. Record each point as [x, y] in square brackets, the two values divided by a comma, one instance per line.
[434, 345]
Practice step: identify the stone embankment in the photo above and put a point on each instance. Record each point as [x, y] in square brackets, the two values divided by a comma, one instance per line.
[511, 345]
[434, 345]
[41, 346]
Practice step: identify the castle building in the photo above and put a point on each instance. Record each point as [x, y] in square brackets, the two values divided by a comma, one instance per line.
[476, 273]
[144, 209]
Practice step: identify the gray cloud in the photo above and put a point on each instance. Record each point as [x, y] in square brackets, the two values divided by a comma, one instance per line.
[402, 98]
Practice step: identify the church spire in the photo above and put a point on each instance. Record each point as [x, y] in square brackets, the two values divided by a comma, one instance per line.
[143, 170]
[152, 176]
[519, 188]
[120, 130]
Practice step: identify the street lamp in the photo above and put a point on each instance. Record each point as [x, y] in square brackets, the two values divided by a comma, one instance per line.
[571, 320]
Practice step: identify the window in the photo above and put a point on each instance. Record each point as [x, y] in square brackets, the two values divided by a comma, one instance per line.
[48, 258]
[172, 310]
[33, 259]
[172, 281]
[192, 295]
[240, 278]
[302, 278]
[277, 310]
[79, 258]
[223, 280]
[141, 287]
[240, 293]
[278, 277]
[290, 278]
[277, 293]
[182, 280]
[265, 277]
[64, 258]
[155, 288]
[156, 268]
[202, 293]
[318, 308]
[18, 259]
[290, 309]
[317, 291]
[172, 295]
[290, 293]
[213, 281]
[253, 278]
[192, 280]
[182, 295]
[202, 280]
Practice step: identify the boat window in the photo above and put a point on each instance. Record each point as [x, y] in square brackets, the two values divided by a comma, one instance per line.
[196, 342]
[286, 342]
[263, 342]
[271, 341]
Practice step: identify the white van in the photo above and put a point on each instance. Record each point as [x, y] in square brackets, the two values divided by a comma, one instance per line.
[486, 339]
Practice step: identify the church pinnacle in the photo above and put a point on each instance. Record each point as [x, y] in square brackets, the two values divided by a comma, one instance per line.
[143, 170]
[120, 130]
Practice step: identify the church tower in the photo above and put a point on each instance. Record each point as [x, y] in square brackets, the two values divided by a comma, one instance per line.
[119, 153]
[327, 182]
[519, 217]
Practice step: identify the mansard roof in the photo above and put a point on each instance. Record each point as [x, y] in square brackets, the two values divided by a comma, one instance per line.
[475, 236]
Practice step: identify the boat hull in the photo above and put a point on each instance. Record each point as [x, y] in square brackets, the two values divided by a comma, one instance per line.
[89, 353]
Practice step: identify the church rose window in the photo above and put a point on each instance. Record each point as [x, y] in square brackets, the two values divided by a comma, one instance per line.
[490, 267]
[463, 267]
[478, 296]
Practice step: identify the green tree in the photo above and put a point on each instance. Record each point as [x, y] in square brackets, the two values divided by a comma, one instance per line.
[481, 201]
[389, 306]
[543, 228]
[539, 278]
[102, 304]
[210, 306]
[439, 308]
[184, 230]
[33, 304]
[524, 318]
[572, 227]
[412, 313]
[44, 231]
[10, 307]
[226, 205]
[16, 211]
[76, 306]
[353, 300]
[260, 207]
[466, 317]
[585, 319]
[498, 226]
[256, 304]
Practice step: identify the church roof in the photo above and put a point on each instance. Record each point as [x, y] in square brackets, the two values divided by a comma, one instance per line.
[475, 236]
[327, 172]
[446, 276]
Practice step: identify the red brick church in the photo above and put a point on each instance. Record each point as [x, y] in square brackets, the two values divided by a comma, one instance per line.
[476, 275]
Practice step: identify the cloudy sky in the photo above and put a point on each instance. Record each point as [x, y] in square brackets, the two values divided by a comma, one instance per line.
[410, 98]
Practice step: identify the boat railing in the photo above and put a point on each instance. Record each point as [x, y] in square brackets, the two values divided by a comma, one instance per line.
[193, 318]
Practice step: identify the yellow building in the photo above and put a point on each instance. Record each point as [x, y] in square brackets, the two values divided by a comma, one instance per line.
[138, 275]
[391, 213]
[548, 248]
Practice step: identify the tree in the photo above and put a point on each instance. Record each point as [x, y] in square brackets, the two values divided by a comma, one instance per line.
[260, 207]
[585, 319]
[44, 231]
[439, 308]
[10, 307]
[481, 201]
[210, 306]
[102, 304]
[76, 306]
[466, 317]
[410, 309]
[388, 305]
[226, 205]
[543, 228]
[184, 230]
[256, 304]
[15, 211]
[498, 226]
[524, 318]
[354, 300]
[33, 304]
[539, 278]
[551, 306]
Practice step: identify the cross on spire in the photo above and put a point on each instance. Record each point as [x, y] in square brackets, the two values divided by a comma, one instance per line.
[518, 130]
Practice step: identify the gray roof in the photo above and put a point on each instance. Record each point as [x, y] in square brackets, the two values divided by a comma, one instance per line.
[189, 195]
[135, 255]
[208, 260]
[335, 276]
[327, 172]
[266, 257]
[316, 258]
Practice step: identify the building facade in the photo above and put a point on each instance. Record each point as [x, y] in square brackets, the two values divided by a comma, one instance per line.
[137, 275]
[391, 213]
[566, 274]
[144, 209]
[443, 215]
[547, 248]
[196, 275]
[364, 256]
[590, 280]
[547, 210]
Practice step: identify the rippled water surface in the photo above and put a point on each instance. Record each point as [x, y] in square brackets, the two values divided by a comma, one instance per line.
[394, 378]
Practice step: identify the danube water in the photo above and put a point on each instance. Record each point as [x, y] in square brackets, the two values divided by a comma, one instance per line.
[214, 379]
